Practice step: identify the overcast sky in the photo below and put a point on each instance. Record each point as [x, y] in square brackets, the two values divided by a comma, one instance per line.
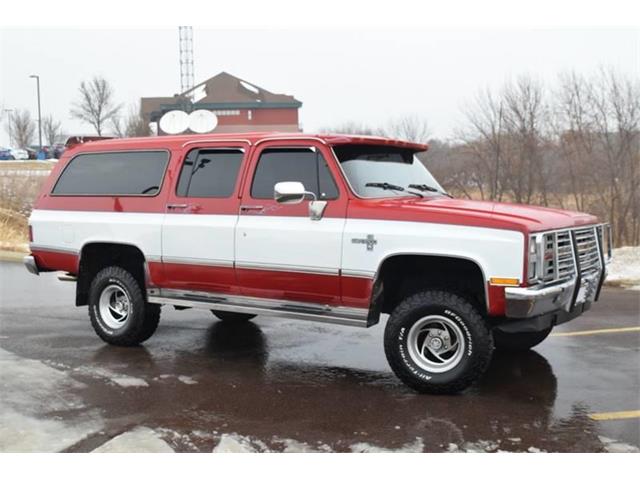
[339, 75]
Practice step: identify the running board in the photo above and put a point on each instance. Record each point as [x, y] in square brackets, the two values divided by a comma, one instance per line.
[354, 317]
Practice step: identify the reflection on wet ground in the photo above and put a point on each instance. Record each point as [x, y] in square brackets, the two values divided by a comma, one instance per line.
[326, 387]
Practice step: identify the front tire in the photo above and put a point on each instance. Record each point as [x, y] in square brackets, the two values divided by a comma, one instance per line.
[437, 342]
[118, 310]
[518, 342]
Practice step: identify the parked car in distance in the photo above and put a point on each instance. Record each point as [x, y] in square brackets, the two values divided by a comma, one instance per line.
[330, 228]
[42, 154]
[5, 154]
[20, 154]
[58, 150]
[33, 153]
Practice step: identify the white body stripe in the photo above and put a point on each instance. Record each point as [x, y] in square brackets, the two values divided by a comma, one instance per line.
[297, 243]
[196, 238]
[499, 253]
[71, 230]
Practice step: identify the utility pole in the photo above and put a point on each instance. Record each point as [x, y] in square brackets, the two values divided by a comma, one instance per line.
[37, 77]
[10, 129]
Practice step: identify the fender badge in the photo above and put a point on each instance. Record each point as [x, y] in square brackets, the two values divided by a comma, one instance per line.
[370, 241]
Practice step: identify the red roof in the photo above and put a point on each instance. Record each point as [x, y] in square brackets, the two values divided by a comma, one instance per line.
[176, 141]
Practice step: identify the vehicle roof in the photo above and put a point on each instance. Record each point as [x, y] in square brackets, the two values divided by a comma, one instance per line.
[176, 141]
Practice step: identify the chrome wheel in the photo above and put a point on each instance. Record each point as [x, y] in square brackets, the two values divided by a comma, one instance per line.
[436, 343]
[114, 306]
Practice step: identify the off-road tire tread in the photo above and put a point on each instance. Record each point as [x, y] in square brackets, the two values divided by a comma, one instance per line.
[142, 330]
[483, 346]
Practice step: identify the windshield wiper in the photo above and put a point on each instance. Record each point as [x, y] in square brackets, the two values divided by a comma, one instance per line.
[391, 186]
[428, 188]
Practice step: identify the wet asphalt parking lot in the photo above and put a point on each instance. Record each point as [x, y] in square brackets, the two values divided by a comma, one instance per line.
[282, 385]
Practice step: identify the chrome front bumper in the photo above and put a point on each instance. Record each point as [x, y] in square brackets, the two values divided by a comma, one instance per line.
[521, 302]
[31, 264]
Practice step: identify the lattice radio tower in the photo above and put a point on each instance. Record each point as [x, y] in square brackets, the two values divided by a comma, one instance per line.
[186, 58]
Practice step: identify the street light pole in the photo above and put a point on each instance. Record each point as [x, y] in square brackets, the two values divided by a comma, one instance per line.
[37, 77]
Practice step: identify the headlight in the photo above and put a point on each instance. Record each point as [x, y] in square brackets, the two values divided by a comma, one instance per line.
[534, 257]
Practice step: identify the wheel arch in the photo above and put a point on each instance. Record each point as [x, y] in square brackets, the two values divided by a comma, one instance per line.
[97, 254]
[457, 263]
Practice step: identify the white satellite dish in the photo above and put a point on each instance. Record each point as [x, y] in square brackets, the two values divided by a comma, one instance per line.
[202, 121]
[175, 121]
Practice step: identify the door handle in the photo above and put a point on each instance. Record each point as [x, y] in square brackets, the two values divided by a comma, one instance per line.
[185, 207]
[251, 208]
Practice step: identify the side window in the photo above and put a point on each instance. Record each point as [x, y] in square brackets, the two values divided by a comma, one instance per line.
[113, 173]
[293, 165]
[210, 173]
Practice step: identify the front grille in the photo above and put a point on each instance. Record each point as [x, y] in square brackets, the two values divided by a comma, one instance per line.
[588, 252]
[558, 261]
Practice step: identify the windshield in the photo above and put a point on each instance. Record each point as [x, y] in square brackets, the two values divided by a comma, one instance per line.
[367, 167]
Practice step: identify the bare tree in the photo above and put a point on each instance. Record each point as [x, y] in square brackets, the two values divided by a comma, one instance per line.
[52, 129]
[410, 127]
[352, 128]
[485, 141]
[21, 128]
[133, 125]
[525, 116]
[96, 105]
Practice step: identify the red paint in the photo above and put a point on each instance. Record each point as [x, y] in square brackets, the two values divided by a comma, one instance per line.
[496, 300]
[205, 278]
[56, 261]
[293, 286]
[356, 291]
[444, 210]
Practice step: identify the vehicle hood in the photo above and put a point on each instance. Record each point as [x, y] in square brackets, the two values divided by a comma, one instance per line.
[436, 209]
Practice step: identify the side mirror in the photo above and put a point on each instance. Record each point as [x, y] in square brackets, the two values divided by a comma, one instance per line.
[290, 192]
[294, 192]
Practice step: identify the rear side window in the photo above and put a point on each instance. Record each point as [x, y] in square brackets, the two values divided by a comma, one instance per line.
[293, 165]
[210, 173]
[114, 173]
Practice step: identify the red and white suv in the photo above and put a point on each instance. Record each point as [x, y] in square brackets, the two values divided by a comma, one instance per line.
[330, 228]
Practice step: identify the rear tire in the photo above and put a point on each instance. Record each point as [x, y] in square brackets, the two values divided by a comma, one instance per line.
[518, 342]
[118, 310]
[437, 342]
[232, 316]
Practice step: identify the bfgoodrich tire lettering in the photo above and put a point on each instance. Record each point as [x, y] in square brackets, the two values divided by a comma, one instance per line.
[118, 311]
[454, 345]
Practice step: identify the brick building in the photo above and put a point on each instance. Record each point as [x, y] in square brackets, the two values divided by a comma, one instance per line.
[239, 105]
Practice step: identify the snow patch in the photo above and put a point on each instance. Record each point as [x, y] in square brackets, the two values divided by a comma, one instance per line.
[415, 447]
[249, 87]
[31, 393]
[117, 378]
[294, 446]
[187, 380]
[613, 446]
[233, 443]
[21, 433]
[624, 268]
[138, 440]
[199, 93]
